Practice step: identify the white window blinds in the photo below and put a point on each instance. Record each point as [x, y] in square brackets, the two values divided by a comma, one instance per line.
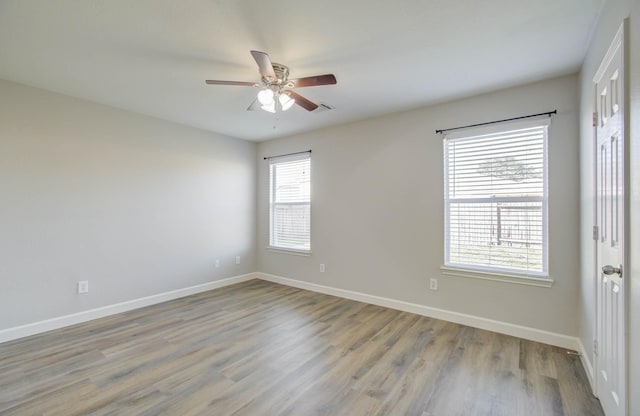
[496, 199]
[290, 202]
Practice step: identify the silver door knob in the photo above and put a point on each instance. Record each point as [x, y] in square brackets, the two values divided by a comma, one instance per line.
[608, 269]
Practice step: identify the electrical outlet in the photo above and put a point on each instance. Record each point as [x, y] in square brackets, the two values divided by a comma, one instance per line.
[237, 259]
[433, 284]
[83, 286]
[217, 263]
[322, 268]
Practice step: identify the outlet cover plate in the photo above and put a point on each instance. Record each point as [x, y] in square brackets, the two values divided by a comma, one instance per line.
[83, 286]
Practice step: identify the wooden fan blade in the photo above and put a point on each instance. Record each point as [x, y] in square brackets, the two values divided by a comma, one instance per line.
[264, 63]
[255, 105]
[243, 83]
[302, 102]
[328, 79]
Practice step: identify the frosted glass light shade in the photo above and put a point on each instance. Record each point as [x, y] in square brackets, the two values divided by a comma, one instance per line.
[285, 101]
[270, 107]
[265, 97]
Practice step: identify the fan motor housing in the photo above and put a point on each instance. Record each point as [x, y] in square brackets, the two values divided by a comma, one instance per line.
[282, 72]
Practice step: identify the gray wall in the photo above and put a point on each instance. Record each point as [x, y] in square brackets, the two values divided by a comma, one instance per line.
[614, 12]
[135, 205]
[377, 210]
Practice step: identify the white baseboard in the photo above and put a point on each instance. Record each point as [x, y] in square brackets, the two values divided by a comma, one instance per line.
[533, 334]
[586, 363]
[84, 316]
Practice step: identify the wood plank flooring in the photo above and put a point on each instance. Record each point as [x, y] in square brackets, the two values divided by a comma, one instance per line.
[258, 348]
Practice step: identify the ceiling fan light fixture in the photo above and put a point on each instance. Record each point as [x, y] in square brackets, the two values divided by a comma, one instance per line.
[265, 97]
[277, 93]
[285, 101]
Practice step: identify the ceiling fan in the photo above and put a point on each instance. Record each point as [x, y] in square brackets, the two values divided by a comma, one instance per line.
[277, 89]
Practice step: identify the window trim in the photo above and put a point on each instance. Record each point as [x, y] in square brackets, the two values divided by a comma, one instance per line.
[273, 161]
[506, 277]
[290, 251]
[526, 277]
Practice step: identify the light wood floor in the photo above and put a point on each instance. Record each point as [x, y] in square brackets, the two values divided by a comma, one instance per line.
[259, 348]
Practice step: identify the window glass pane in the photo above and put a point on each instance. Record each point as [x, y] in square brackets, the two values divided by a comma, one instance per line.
[502, 235]
[290, 204]
[495, 201]
[291, 226]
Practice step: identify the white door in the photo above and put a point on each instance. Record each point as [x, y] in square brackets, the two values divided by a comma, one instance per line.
[610, 347]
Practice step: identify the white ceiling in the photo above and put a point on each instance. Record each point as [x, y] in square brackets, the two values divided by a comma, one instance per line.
[152, 56]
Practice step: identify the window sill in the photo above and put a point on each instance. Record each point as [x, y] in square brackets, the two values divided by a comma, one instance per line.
[280, 250]
[498, 277]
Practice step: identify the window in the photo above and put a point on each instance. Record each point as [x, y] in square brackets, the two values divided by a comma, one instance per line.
[496, 199]
[290, 203]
